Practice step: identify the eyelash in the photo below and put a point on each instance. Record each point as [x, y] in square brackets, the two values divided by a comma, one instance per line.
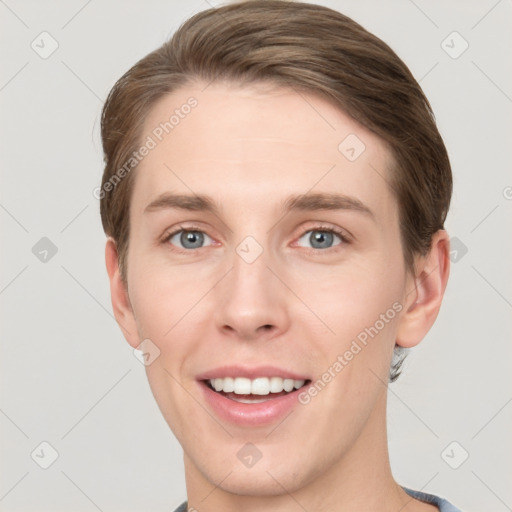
[342, 235]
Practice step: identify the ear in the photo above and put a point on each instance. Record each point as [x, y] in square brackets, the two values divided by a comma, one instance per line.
[119, 295]
[425, 292]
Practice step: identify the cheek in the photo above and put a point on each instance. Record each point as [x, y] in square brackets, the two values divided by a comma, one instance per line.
[353, 297]
[169, 304]
[160, 294]
[165, 302]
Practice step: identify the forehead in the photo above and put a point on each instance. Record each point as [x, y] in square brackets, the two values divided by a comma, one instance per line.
[221, 137]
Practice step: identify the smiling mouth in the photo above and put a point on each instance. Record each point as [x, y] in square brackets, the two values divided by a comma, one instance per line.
[254, 391]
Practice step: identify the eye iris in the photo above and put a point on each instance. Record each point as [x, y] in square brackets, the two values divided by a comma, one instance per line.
[323, 238]
[191, 237]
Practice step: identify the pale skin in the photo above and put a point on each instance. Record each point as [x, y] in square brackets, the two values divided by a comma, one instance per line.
[297, 305]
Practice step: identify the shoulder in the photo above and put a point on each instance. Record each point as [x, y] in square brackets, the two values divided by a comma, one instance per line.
[182, 507]
[441, 503]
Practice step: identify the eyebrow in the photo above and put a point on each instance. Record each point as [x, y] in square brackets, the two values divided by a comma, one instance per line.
[304, 202]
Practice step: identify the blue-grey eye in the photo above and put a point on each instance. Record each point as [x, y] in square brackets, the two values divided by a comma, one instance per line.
[189, 239]
[320, 239]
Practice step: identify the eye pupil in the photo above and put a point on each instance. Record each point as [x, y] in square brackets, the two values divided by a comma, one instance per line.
[191, 237]
[323, 238]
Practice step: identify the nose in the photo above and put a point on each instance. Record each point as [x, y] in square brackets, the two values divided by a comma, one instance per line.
[251, 302]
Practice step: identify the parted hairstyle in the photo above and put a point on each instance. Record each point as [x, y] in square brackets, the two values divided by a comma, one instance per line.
[307, 48]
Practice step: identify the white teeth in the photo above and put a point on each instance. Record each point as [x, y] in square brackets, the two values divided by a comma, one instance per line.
[298, 383]
[258, 386]
[228, 385]
[250, 400]
[242, 386]
[218, 384]
[276, 385]
[288, 385]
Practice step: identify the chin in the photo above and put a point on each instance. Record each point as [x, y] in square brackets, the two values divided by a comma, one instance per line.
[265, 478]
[258, 483]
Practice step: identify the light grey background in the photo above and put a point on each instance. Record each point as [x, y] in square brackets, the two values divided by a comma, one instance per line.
[68, 376]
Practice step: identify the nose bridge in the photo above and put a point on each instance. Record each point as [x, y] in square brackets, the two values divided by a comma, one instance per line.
[251, 281]
[251, 297]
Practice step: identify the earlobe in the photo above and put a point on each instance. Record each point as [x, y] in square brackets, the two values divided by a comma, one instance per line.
[119, 295]
[423, 300]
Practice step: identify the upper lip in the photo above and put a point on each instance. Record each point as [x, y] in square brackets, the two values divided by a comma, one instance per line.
[250, 372]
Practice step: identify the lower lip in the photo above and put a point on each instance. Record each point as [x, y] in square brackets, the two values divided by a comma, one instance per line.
[256, 414]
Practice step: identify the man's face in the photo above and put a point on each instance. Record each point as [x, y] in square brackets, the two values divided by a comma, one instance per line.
[256, 290]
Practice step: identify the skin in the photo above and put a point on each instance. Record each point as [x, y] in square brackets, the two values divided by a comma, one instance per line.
[249, 149]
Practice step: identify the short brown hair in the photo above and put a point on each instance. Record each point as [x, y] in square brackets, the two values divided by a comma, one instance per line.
[310, 49]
